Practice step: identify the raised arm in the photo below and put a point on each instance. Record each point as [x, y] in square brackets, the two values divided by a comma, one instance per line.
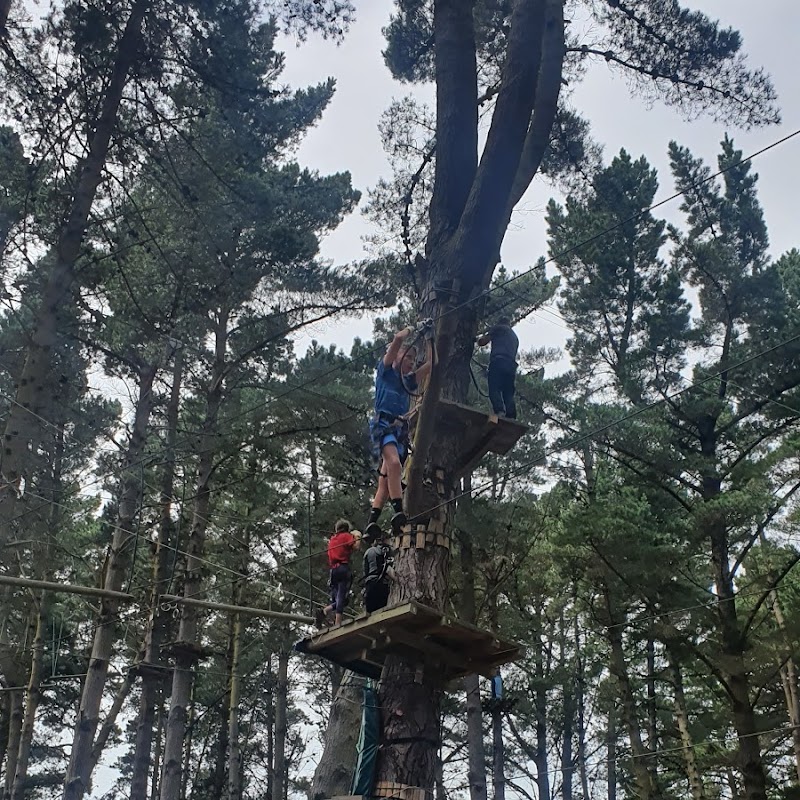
[393, 350]
[424, 369]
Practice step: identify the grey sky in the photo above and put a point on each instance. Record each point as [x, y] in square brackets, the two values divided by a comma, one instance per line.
[347, 137]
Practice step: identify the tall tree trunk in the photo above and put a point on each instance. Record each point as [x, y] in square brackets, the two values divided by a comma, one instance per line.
[151, 671]
[682, 720]
[32, 699]
[652, 709]
[644, 776]
[235, 752]
[567, 768]
[220, 771]
[16, 711]
[499, 757]
[186, 657]
[540, 705]
[611, 757]
[110, 721]
[281, 702]
[580, 702]
[476, 750]
[334, 773]
[187, 748]
[24, 432]
[732, 640]
[155, 786]
[79, 770]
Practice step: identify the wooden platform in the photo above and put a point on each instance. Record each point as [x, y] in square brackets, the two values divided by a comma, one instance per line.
[481, 432]
[417, 632]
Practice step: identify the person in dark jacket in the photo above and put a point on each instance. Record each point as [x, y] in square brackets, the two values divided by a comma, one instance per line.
[502, 367]
[378, 572]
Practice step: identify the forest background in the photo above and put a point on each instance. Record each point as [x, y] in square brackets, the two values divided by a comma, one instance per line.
[172, 428]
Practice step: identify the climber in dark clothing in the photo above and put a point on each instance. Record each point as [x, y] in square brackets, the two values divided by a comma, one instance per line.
[395, 379]
[502, 367]
[378, 572]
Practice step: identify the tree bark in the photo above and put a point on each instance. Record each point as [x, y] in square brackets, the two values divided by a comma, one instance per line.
[281, 703]
[540, 707]
[646, 781]
[334, 773]
[611, 757]
[16, 711]
[24, 431]
[476, 750]
[732, 642]
[652, 710]
[153, 676]
[499, 757]
[32, 699]
[682, 720]
[183, 674]
[109, 723]
[79, 770]
[235, 753]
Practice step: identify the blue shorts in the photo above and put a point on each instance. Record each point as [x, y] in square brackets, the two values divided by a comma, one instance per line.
[383, 432]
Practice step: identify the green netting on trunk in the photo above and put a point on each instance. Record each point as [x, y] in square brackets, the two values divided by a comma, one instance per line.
[368, 739]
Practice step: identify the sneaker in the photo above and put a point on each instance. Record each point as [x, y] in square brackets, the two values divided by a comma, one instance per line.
[398, 521]
[373, 531]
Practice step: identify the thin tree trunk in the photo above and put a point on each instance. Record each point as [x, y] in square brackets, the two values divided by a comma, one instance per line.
[646, 782]
[24, 427]
[476, 750]
[219, 774]
[611, 757]
[110, 722]
[186, 755]
[156, 768]
[540, 707]
[580, 702]
[32, 699]
[567, 768]
[187, 656]
[652, 710]
[281, 700]
[235, 753]
[15, 716]
[733, 644]
[499, 757]
[79, 770]
[682, 720]
[153, 676]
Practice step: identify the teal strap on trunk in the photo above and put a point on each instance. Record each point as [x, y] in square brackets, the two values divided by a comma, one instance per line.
[368, 740]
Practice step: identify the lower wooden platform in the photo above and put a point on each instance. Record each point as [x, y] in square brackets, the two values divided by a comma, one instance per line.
[480, 432]
[417, 632]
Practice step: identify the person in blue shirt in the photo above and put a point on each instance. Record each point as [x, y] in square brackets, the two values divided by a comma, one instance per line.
[395, 383]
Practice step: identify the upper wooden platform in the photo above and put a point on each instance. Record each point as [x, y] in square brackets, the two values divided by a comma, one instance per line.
[421, 634]
[481, 433]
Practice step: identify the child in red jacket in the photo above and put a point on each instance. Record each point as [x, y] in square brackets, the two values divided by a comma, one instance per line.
[340, 547]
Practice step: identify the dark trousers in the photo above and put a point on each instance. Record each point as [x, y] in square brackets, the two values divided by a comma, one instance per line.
[502, 374]
[376, 595]
[340, 585]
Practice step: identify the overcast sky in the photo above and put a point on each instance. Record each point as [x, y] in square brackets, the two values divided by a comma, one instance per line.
[347, 137]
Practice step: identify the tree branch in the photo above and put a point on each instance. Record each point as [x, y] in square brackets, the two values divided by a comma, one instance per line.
[547, 91]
